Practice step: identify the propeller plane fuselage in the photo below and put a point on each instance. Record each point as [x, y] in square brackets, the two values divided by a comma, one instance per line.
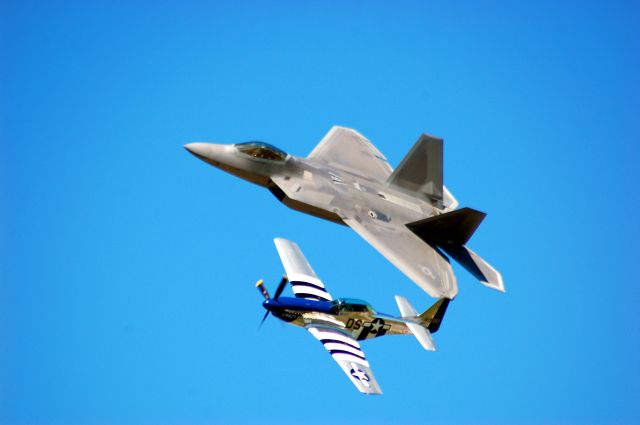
[356, 317]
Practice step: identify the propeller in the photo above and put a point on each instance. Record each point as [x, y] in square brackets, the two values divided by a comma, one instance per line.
[280, 288]
[262, 289]
[265, 293]
[264, 318]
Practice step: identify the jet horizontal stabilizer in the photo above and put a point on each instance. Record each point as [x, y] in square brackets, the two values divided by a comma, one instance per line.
[475, 265]
[450, 232]
[455, 227]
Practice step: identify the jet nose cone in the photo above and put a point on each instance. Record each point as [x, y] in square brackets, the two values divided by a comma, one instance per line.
[198, 149]
[208, 152]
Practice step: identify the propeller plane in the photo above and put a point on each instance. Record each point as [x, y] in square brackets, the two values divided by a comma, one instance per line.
[341, 323]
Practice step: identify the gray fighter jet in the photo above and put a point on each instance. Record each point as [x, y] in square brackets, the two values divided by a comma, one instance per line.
[407, 214]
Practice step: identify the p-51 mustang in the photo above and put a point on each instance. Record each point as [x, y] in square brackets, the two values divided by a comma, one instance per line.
[407, 214]
[340, 323]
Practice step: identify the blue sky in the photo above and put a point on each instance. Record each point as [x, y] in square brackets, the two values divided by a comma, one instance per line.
[127, 267]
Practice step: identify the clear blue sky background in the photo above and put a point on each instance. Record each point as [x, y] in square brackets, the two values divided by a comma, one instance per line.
[127, 267]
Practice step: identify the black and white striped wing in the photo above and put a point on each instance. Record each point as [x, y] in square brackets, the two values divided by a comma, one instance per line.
[303, 279]
[347, 353]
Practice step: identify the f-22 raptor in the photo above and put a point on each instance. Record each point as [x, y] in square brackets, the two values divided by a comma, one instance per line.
[407, 214]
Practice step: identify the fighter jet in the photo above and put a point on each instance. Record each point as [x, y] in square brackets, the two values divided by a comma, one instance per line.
[340, 323]
[407, 214]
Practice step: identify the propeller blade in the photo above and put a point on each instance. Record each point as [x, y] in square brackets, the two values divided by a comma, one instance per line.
[262, 289]
[281, 286]
[264, 318]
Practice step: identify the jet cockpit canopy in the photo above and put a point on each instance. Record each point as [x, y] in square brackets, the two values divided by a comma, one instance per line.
[261, 150]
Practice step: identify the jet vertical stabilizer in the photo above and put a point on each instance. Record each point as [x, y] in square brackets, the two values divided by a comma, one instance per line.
[420, 171]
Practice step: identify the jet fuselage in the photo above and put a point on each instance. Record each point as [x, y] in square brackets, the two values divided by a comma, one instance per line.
[320, 190]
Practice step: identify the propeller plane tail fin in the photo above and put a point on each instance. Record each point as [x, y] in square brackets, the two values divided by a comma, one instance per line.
[421, 326]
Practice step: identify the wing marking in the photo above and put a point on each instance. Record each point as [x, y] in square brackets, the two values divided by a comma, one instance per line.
[347, 353]
[306, 290]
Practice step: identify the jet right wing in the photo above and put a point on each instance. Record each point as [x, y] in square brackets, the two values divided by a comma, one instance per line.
[346, 148]
[347, 353]
[429, 269]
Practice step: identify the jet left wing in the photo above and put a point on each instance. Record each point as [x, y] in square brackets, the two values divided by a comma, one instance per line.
[429, 269]
[347, 353]
[346, 148]
[303, 279]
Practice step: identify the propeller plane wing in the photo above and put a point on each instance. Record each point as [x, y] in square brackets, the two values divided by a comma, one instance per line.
[347, 353]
